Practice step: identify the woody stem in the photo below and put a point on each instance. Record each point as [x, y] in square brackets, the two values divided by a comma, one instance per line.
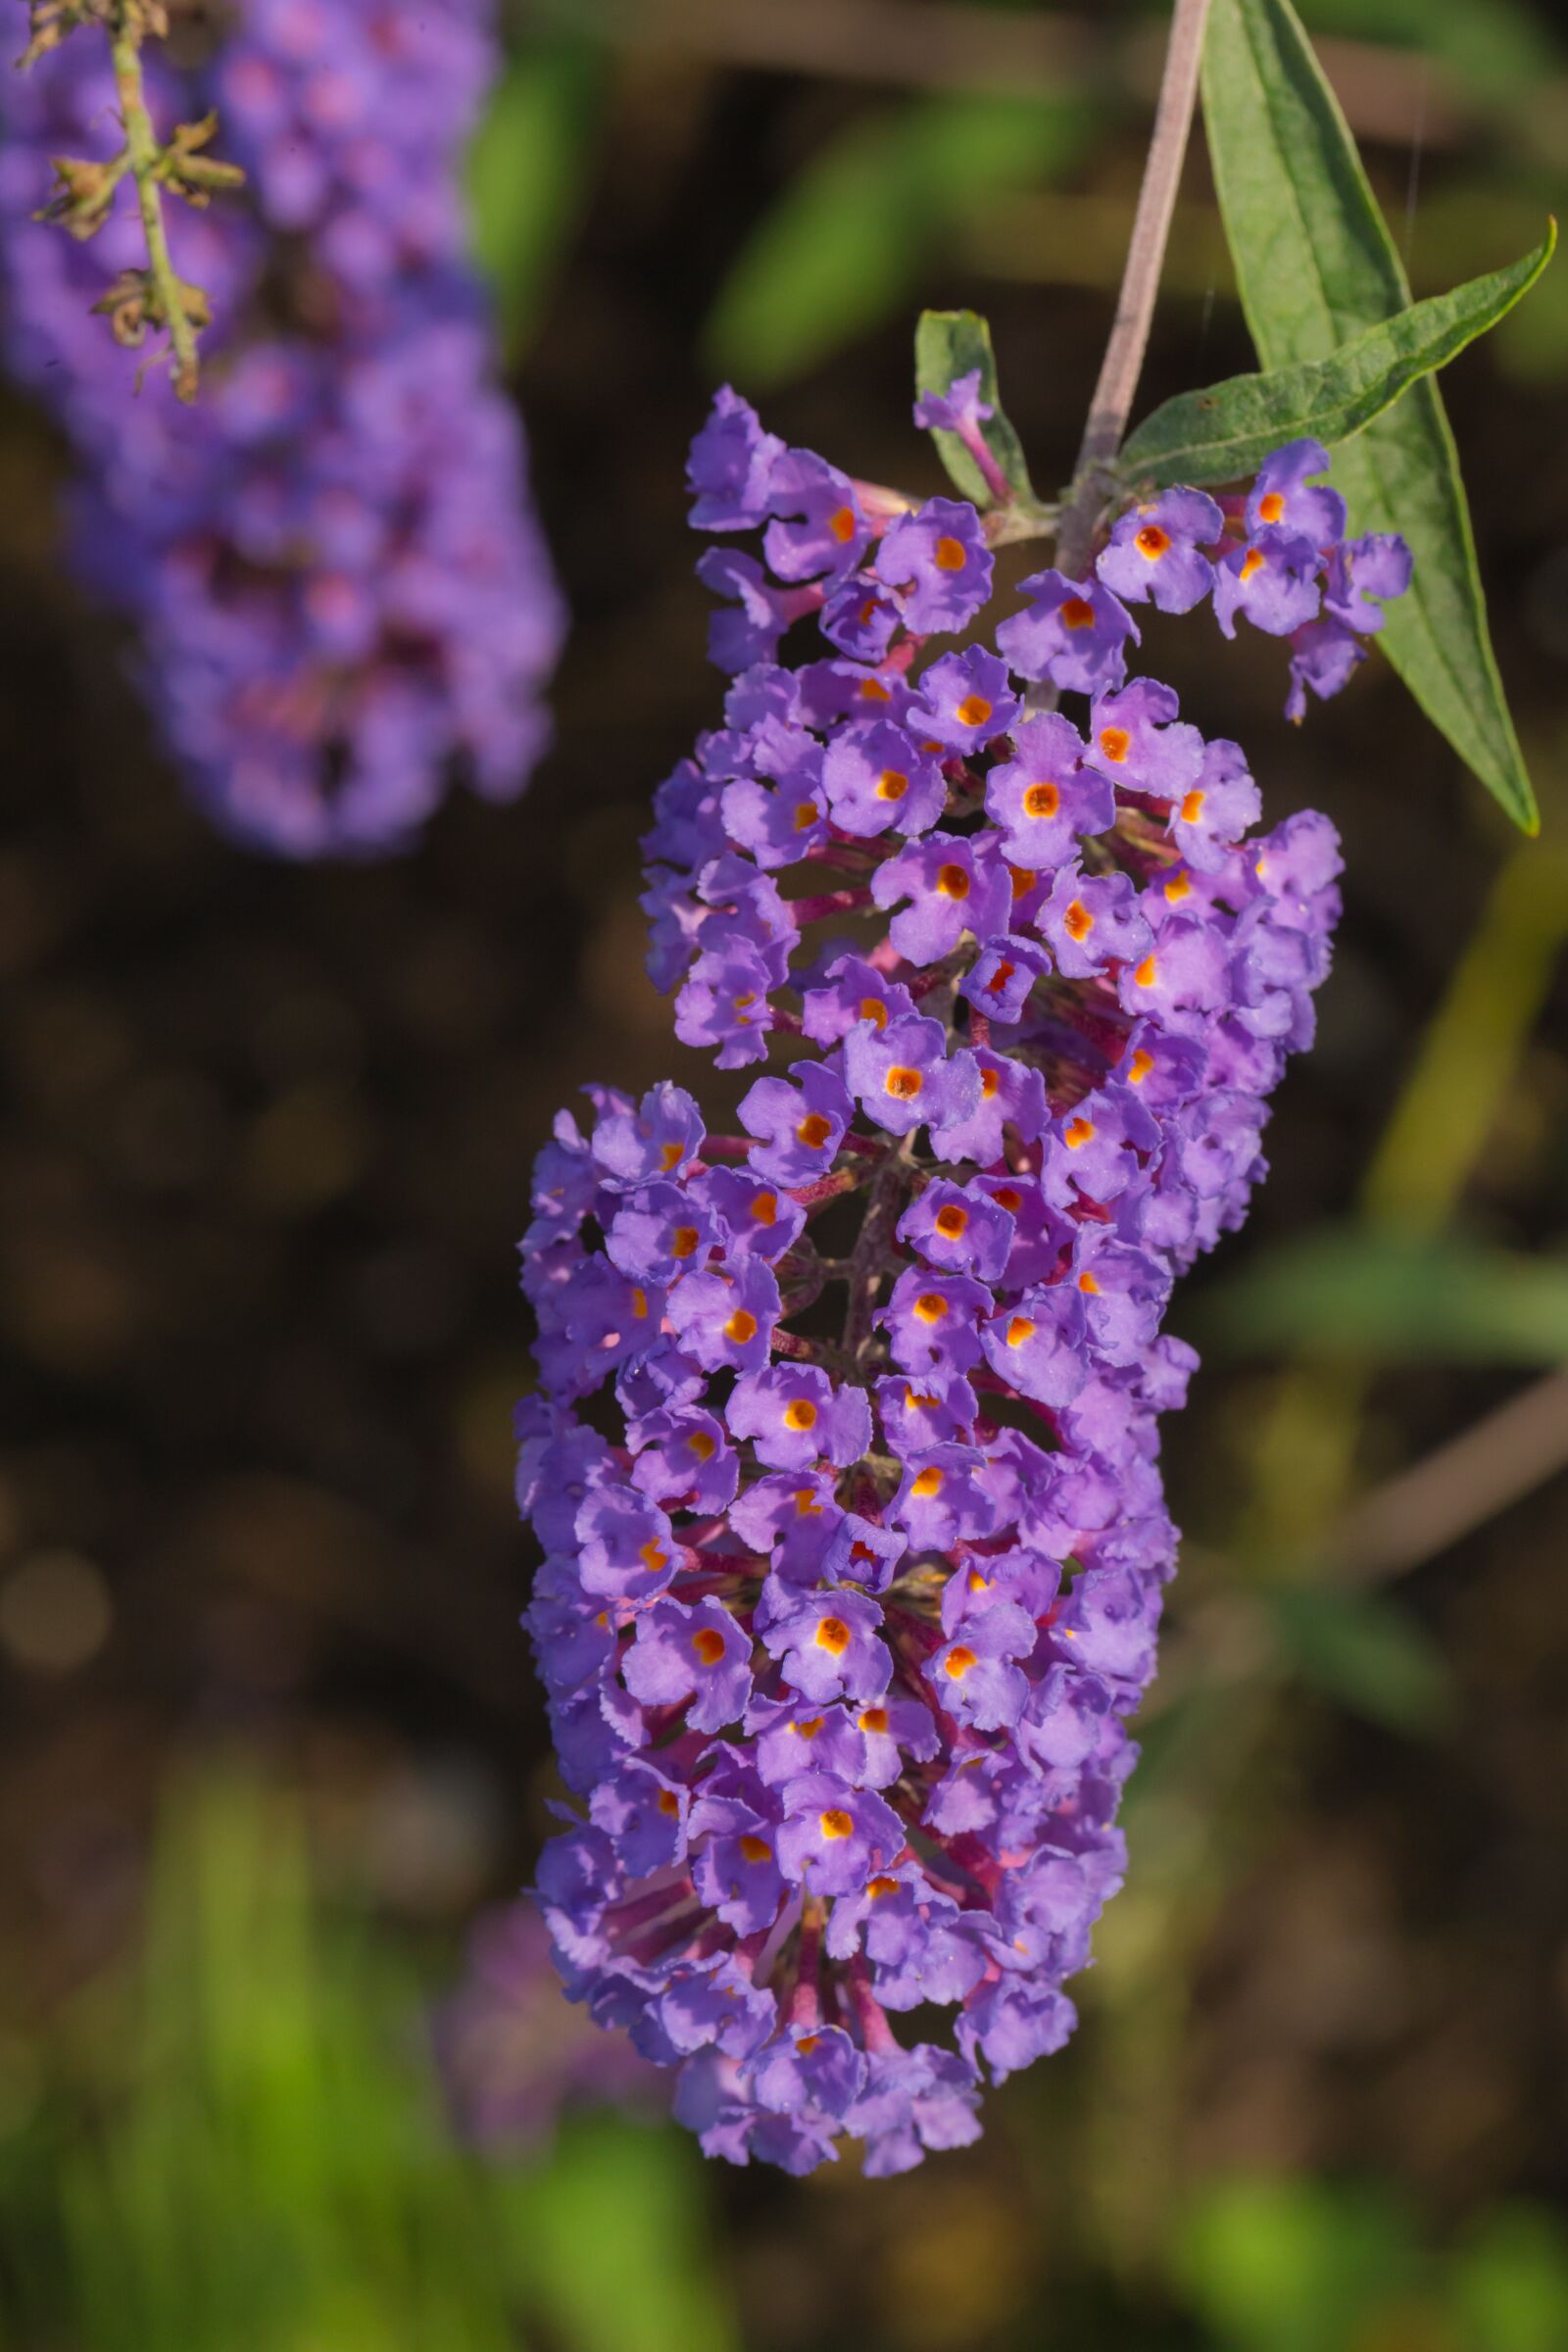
[1135, 305]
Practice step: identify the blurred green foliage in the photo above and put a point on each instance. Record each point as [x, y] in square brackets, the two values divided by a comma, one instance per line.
[529, 167]
[240, 2148]
[855, 228]
[1304, 2266]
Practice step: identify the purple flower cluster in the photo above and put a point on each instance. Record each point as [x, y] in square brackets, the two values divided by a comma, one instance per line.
[342, 594]
[1278, 557]
[848, 1596]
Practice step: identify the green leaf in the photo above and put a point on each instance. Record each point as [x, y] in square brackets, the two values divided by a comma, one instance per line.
[1364, 1294]
[856, 229]
[1229, 429]
[1364, 1653]
[1315, 266]
[949, 344]
[527, 176]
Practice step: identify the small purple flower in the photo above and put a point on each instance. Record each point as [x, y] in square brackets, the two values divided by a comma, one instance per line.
[1154, 550]
[777, 825]
[1324, 655]
[662, 1137]
[726, 1318]
[825, 532]
[828, 1645]
[1073, 635]
[955, 410]
[1123, 1292]
[798, 1128]
[930, 1409]
[852, 990]
[659, 1233]
[861, 618]
[794, 1736]
[730, 466]
[943, 1499]
[1273, 578]
[759, 1220]
[966, 701]
[1092, 920]
[858, 1553]
[975, 1677]
[810, 2066]
[1377, 565]
[748, 627]
[938, 562]
[1045, 796]
[961, 411]
[1010, 1094]
[876, 779]
[724, 1003]
[833, 1838]
[794, 1415]
[683, 1461]
[1095, 1149]
[736, 1870]
[949, 891]
[958, 1230]
[1184, 972]
[930, 1320]
[697, 1653]
[1281, 496]
[1035, 1345]
[628, 1548]
[1217, 807]
[643, 1813]
[1136, 743]
[999, 982]
[902, 1076]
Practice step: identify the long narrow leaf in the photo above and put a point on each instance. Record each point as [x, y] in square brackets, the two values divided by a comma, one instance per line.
[1229, 429]
[1316, 265]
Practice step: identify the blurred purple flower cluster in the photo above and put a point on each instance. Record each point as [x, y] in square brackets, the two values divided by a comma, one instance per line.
[511, 2062]
[844, 1605]
[341, 590]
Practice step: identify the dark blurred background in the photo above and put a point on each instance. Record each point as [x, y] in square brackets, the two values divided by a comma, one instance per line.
[269, 1736]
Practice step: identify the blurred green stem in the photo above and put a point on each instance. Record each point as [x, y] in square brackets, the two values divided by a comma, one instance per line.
[1468, 1062]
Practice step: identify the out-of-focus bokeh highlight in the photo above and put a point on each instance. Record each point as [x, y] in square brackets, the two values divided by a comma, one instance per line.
[268, 1739]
